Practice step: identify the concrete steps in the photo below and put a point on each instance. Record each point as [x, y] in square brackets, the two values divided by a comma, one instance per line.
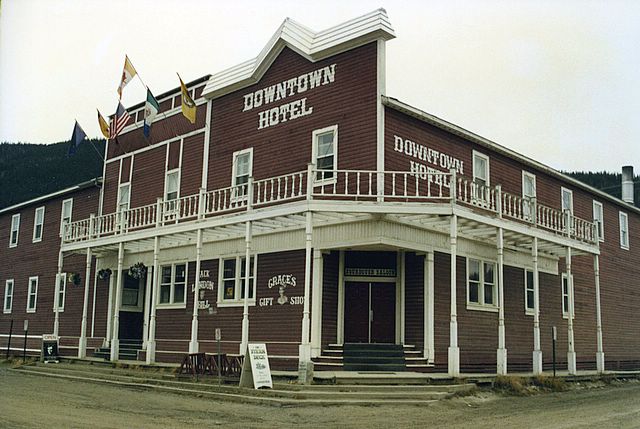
[281, 394]
[370, 357]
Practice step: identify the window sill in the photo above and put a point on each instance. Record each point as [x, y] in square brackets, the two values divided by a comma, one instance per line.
[31, 311]
[37, 240]
[171, 306]
[6, 312]
[624, 247]
[11, 246]
[60, 310]
[529, 313]
[479, 307]
[235, 303]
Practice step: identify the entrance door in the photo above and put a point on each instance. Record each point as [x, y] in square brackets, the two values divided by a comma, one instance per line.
[370, 312]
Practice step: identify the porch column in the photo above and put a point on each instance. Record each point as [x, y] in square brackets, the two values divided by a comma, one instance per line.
[193, 344]
[115, 342]
[402, 293]
[247, 269]
[305, 347]
[56, 292]
[147, 309]
[600, 350]
[316, 305]
[340, 312]
[82, 342]
[501, 354]
[107, 339]
[151, 341]
[571, 353]
[537, 352]
[429, 352]
[454, 351]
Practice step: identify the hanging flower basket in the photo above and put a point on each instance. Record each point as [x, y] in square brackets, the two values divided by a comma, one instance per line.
[137, 270]
[104, 274]
[74, 278]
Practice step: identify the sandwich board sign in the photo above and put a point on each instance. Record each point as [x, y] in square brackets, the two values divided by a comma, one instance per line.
[49, 348]
[255, 368]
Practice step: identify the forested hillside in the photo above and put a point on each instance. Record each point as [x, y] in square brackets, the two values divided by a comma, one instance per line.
[31, 170]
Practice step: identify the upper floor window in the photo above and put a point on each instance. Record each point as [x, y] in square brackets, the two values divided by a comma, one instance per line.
[8, 296]
[598, 219]
[624, 230]
[325, 148]
[567, 200]
[528, 193]
[15, 229]
[173, 285]
[38, 222]
[242, 170]
[172, 185]
[481, 284]
[32, 295]
[65, 218]
[124, 196]
[233, 277]
[480, 168]
[62, 290]
[529, 293]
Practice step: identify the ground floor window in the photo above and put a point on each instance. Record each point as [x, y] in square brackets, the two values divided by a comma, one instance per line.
[32, 295]
[233, 277]
[173, 285]
[62, 290]
[481, 285]
[529, 293]
[565, 295]
[8, 296]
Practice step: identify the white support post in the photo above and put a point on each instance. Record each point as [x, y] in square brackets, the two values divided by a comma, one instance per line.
[93, 307]
[340, 313]
[571, 353]
[247, 271]
[151, 341]
[316, 304]
[82, 342]
[107, 340]
[429, 318]
[454, 351]
[537, 351]
[193, 344]
[402, 293]
[600, 349]
[115, 342]
[305, 346]
[56, 292]
[381, 84]
[147, 309]
[501, 354]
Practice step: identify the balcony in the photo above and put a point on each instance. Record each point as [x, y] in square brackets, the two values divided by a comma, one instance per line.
[347, 190]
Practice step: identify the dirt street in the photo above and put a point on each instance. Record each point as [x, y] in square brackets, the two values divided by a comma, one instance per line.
[34, 401]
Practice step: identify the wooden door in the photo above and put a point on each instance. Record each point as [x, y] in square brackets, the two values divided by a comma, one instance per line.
[356, 312]
[383, 313]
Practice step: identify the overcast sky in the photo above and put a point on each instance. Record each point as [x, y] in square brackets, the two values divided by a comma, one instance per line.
[554, 80]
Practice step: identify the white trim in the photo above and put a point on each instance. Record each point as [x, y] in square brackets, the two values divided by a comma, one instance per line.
[380, 90]
[476, 154]
[156, 145]
[565, 311]
[600, 221]
[532, 176]
[35, 225]
[341, 280]
[15, 228]
[234, 160]
[314, 152]
[62, 289]
[70, 200]
[480, 305]
[623, 215]
[237, 301]
[569, 192]
[34, 293]
[529, 311]
[205, 149]
[119, 196]
[172, 304]
[6, 310]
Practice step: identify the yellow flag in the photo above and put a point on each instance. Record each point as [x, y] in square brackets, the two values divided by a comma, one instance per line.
[128, 72]
[104, 127]
[188, 105]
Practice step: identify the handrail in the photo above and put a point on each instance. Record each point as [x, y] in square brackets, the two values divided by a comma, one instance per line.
[338, 185]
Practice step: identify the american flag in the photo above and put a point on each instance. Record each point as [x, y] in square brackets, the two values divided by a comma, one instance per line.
[119, 121]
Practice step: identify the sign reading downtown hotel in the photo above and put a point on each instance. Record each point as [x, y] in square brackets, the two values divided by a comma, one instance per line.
[423, 159]
[287, 88]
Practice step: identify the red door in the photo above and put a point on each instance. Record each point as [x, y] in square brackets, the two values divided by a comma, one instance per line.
[369, 312]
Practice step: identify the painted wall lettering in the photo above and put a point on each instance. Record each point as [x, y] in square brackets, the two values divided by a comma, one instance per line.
[287, 88]
[430, 158]
[281, 281]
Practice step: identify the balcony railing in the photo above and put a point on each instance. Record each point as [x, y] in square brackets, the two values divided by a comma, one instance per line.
[383, 187]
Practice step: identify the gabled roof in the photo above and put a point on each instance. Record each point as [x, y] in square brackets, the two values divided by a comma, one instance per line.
[312, 45]
[97, 182]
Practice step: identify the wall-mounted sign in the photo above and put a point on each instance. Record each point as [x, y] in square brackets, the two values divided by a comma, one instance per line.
[203, 286]
[281, 281]
[370, 272]
[429, 158]
[288, 88]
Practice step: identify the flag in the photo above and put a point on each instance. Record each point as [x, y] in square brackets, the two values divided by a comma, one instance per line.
[118, 121]
[188, 105]
[127, 74]
[77, 137]
[104, 127]
[151, 109]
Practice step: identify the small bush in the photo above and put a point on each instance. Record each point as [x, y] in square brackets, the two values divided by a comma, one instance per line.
[552, 384]
[511, 384]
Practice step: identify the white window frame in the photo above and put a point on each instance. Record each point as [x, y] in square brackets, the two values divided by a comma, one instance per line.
[62, 292]
[565, 308]
[529, 288]
[8, 296]
[527, 203]
[624, 230]
[598, 218]
[314, 152]
[15, 227]
[480, 305]
[62, 217]
[569, 192]
[237, 300]
[166, 182]
[481, 155]
[237, 194]
[37, 238]
[172, 304]
[32, 281]
[120, 203]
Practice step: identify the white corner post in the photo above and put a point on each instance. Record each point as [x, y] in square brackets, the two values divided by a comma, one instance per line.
[147, 308]
[571, 353]
[600, 349]
[247, 270]
[304, 351]
[56, 293]
[316, 304]
[115, 342]
[82, 342]
[454, 351]
[537, 351]
[381, 84]
[429, 319]
[501, 354]
[151, 340]
[401, 294]
[340, 312]
[193, 344]
[107, 339]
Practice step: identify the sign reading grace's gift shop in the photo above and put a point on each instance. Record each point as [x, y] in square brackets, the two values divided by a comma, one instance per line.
[285, 89]
[281, 281]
